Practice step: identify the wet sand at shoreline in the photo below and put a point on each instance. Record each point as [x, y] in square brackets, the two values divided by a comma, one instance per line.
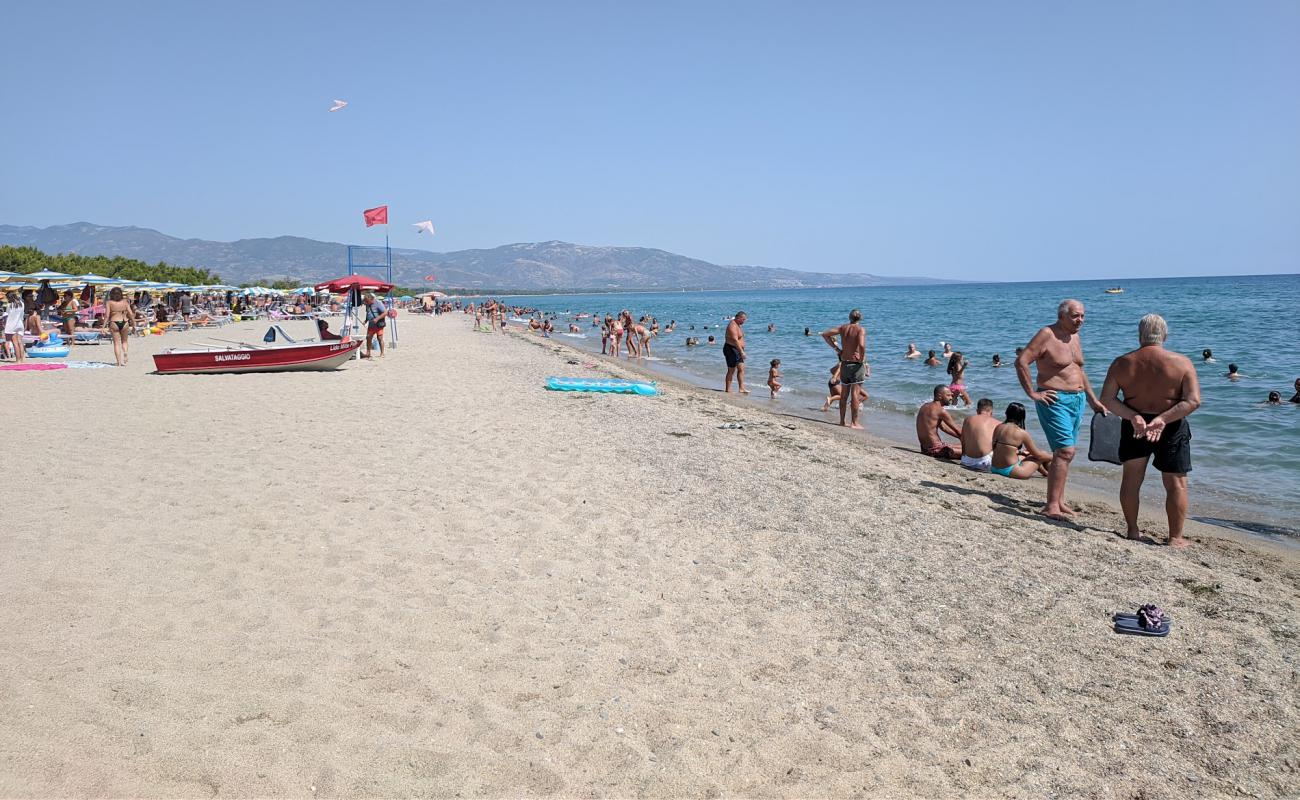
[428, 575]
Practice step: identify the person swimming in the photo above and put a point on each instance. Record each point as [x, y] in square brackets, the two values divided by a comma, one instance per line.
[932, 360]
[1232, 374]
[1207, 356]
[997, 359]
[1275, 398]
[912, 352]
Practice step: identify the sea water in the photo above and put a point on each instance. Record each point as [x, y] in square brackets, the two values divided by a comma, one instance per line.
[1246, 454]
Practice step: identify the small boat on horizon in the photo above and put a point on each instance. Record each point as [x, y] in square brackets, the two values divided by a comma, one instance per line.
[1115, 290]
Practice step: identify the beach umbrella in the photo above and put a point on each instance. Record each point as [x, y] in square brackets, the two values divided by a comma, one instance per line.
[5, 276]
[47, 275]
[92, 278]
[350, 282]
[406, 297]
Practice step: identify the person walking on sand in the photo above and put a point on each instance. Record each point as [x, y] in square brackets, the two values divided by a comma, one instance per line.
[120, 320]
[1160, 390]
[734, 352]
[1059, 395]
[852, 352]
[376, 321]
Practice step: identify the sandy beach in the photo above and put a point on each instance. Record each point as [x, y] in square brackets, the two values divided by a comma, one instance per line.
[428, 576]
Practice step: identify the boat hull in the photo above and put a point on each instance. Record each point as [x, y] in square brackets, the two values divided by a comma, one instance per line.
[298, 358]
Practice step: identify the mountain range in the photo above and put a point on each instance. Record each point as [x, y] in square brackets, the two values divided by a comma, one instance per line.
[537, 266]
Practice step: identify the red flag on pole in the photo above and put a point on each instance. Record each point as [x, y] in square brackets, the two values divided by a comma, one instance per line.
[376, 216]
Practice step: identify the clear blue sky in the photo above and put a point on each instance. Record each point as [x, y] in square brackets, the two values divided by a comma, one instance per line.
[966, 140]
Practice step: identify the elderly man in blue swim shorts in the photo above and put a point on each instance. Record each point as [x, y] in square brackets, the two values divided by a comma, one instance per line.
[1060, 395]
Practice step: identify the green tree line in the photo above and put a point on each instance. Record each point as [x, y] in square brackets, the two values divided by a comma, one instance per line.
[26, 260]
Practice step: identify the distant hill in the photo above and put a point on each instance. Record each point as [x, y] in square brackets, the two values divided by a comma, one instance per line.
[540, 266]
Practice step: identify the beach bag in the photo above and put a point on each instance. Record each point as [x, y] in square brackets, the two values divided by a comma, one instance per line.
[1103, 438]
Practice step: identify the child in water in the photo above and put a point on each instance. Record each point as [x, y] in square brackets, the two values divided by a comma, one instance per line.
[774, 377]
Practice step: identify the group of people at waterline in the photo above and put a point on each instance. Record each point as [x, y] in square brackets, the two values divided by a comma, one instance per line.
[1152, 391]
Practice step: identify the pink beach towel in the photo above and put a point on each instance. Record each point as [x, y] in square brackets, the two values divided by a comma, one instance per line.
[32, 367]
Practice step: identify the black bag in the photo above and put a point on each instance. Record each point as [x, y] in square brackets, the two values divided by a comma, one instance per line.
[1103, 438]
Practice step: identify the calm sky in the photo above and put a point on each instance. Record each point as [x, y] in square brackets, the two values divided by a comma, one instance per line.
[978, 140]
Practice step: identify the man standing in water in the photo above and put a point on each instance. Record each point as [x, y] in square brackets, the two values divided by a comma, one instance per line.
[1160, 389]
[734, 351]
[852, 351]
[1062, 389]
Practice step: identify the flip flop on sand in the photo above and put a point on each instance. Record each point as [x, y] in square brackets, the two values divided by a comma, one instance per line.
[1149, 620]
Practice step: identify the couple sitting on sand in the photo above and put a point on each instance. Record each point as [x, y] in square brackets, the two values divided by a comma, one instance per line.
[1004, 448]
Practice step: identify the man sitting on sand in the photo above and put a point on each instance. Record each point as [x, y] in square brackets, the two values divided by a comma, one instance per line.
[931, 419]
[1160, 389]
[977, 437]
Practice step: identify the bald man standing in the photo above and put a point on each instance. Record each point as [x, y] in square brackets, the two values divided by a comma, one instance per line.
[1059, 395]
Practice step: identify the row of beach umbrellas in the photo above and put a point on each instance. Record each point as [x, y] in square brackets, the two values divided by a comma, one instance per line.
[60, 281]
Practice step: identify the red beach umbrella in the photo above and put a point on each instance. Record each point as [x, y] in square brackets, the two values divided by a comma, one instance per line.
[346, 284]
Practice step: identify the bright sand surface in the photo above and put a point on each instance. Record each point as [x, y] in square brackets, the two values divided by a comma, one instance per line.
[429, 576]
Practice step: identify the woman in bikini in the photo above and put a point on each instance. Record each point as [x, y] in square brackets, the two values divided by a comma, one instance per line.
[957, 369]
[1009, 440]
[120, 321]
[616, 333]
[68, 309]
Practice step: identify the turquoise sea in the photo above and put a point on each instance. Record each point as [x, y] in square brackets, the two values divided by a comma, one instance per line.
[1246, 454]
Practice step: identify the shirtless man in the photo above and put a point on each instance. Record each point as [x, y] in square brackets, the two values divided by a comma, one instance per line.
[977, 437]
[852, 351]
[1160, 389]
[734, 352]
[932, 418]
[1059, 397]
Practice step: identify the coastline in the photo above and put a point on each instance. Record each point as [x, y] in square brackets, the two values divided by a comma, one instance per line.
[530, 593]
[885, 427]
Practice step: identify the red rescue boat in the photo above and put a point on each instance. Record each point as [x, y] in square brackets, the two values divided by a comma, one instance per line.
[292, 357]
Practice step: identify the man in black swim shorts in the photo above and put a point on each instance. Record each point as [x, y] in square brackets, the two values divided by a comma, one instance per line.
[1160, 389]
[734, 352]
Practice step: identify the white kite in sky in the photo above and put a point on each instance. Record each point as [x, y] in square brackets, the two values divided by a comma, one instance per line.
[338, 104]
[427, 225]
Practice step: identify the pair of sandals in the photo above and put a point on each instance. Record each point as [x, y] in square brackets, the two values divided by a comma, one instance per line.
[1150, 620]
